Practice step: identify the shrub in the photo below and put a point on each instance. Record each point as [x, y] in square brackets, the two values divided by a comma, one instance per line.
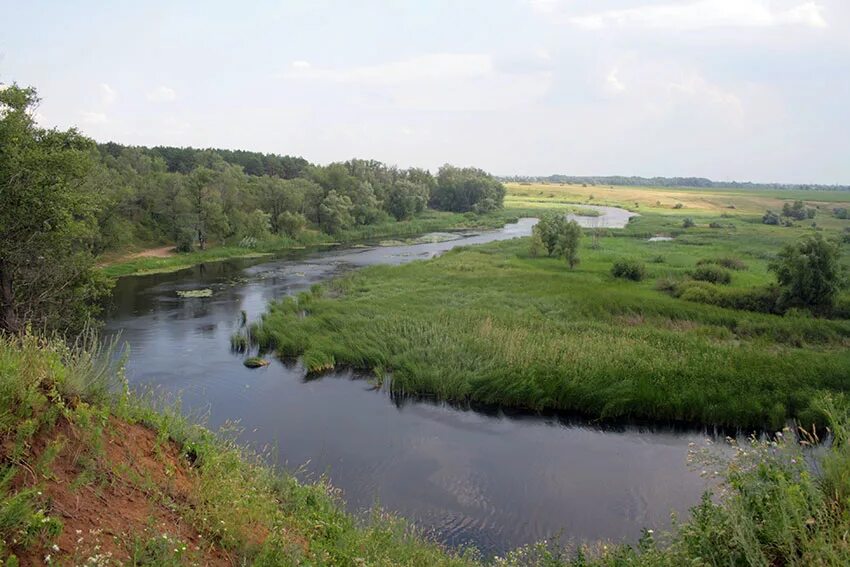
[809, 272]
[712, 274]
[770, 218]
[688, 223]
[628, 269]
[678, 206]
[840, 213]
[714, 224]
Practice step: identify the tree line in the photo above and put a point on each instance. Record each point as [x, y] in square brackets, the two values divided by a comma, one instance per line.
[66, 200]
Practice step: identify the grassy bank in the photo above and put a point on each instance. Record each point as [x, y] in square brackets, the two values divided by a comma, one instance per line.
[429, 221]
[93, 475]
[492, 324]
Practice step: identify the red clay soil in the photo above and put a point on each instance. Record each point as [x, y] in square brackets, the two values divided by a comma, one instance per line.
[129, 498]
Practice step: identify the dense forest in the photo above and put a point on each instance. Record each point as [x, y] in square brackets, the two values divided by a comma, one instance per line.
[697, 182]
[67, 200]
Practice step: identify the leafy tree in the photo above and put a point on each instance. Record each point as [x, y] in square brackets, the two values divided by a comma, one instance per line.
[335, 213]
[797, 211]
[47, 222]
[207, 212]
[291, 224]
[559, 237]
[406, 198]
[257, 224]
[467, 189]
[568, 241]
[809, 273]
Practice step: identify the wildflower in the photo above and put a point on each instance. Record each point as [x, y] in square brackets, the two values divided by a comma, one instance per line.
[54, 547]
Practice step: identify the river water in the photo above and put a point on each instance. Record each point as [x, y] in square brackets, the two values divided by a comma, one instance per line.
[484, 477]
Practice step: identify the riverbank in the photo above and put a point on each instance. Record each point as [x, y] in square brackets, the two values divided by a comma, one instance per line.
[430, 221]
[492, 324]
[76, 442]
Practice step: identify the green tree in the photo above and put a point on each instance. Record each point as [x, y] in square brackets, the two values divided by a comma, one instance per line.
[568, 241]
[335, 213]
[291, 224]
[467, 189]
[559, 237]
[207, 213]
[809, 273]
[47, 222]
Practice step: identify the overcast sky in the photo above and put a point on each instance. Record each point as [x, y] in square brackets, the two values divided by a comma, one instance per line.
[727, 89]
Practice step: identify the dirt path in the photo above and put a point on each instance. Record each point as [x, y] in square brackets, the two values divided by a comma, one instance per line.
[161, 252]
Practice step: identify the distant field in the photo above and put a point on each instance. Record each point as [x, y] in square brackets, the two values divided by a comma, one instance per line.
[659, 199]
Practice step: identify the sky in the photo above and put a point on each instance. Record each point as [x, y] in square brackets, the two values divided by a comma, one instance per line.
[728, 89]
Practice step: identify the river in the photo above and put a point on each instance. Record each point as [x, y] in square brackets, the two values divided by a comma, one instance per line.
[490, 478]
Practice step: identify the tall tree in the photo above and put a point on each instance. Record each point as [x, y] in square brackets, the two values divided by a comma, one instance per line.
[47, 221]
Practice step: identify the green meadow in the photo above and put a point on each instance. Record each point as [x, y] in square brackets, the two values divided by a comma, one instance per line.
[494, 325]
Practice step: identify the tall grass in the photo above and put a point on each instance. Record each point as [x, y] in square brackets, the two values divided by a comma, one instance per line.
[493, 325]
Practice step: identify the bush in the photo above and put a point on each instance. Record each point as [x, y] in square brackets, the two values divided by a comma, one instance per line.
[770, 218]
[678, 206]
[628, 269]
[688, 223]
[809, 273]
[712, 274]
[185, 241]
[714, 224]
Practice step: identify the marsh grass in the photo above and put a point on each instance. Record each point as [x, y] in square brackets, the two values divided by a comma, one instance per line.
[491, 324]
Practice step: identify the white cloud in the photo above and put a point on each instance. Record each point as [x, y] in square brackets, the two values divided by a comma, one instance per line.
[162, 94]
[439, 81]
[432, 67]
[107, 93]
[301, 65]
[692, 15]
[613, 84]
[94, 118]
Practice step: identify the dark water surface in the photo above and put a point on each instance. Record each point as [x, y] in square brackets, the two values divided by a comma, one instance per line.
[468, 477]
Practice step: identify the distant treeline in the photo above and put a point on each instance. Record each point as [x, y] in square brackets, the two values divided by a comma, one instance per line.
[192, 196]
[701, 182]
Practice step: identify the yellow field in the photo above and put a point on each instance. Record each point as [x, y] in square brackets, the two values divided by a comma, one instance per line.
[549, 195]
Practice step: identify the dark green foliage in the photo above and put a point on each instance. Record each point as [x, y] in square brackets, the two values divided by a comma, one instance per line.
[558, 236]
[770, 218]
[467, 189]
[628, 269]
[48, 222]
[688, 222]
[678, 206]
[841, 213]
[291, 224]
[809, 273]
[715, 224]
[712, 274]
[797, 211]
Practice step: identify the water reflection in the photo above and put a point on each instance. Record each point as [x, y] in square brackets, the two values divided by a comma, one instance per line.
[488, 477]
